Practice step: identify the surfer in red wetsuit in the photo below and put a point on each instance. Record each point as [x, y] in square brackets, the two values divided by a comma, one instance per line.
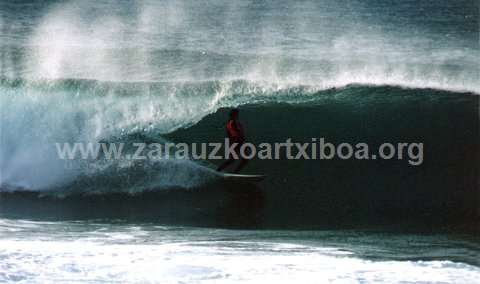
[235, 134]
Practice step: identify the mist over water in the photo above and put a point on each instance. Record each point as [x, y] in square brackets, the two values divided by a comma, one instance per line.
[321, 43]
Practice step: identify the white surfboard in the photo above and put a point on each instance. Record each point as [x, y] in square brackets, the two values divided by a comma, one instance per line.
[243, 178]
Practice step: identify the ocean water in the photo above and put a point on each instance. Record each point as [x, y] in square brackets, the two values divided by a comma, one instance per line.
[97, 252]
[158, 71]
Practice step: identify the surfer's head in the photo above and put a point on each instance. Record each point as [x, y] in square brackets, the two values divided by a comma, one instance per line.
[234, 113]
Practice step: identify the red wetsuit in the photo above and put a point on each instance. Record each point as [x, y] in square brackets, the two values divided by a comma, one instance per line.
[235, 131]
[235, 135]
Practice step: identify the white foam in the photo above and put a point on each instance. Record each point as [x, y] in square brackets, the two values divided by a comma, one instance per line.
[205, 262]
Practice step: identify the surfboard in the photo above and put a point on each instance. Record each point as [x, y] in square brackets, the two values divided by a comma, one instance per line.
[243, 178]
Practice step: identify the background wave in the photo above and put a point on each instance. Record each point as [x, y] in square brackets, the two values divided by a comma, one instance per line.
[324, 43]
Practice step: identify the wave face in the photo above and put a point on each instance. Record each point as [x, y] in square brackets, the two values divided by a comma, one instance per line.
[102, 71]
[443, 189]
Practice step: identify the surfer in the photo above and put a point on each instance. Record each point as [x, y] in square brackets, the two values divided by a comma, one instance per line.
[236, 135]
